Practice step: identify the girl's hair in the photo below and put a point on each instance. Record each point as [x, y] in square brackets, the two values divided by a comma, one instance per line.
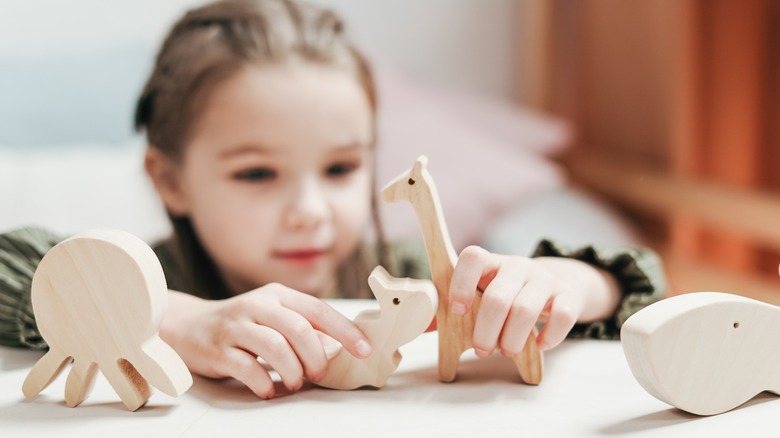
[207, 45]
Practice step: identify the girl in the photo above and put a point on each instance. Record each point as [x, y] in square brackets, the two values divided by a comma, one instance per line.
[260, 119]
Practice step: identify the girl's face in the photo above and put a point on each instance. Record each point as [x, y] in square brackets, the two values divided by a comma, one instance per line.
[276, 177]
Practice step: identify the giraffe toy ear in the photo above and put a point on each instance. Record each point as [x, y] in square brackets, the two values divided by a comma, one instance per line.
[420, 165]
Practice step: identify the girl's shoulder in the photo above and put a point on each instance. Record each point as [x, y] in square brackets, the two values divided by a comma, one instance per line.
[174, 276]
[405, 259]
[29, 241]
[21, 251]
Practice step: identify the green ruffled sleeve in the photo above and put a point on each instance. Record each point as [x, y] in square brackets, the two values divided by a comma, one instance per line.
[638, 271]
[20, 253]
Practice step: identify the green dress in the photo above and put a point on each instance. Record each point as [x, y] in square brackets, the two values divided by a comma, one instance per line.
[637, 270]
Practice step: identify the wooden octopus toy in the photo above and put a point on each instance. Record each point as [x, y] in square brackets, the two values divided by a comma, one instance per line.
[704, 352]
[455, 331]
[406, 307]
[99, 298]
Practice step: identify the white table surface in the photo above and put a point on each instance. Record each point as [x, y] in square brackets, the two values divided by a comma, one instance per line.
[588, 390]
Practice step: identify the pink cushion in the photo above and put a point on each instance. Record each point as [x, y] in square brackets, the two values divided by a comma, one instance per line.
[512, 125]
[485, 159]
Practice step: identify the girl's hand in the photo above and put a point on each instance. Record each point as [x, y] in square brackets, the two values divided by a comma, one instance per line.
[282, 326]
[520, 290]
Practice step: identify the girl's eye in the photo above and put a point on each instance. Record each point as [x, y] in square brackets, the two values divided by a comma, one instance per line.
[341, 169]
[256, 175]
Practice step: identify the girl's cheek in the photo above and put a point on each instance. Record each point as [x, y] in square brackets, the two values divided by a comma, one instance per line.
[359, 213]
[359, 197]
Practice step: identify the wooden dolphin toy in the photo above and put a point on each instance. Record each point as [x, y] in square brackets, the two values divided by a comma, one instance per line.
[704, 352]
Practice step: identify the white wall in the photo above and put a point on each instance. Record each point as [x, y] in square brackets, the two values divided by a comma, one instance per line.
[466, 44]
[43, 26]
[456, 43]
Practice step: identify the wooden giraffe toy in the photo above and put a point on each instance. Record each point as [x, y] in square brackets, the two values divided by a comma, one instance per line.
[99, 298]
[704, 352]
[455, 331]
[406, 308]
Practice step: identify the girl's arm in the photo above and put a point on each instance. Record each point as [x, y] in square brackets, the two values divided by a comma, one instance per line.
[638, 272]
[598, 288]
[561, 292]
[280, 325]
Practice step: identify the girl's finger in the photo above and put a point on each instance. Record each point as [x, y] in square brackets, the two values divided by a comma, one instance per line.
[328, 320]
[330, 345]
[300, 335]
[564, 310]
[496, 302]
[523, 315]
[473, 264]
[245, 368]
[269, 344]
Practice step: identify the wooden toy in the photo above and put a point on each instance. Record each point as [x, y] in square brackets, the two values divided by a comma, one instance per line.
[704, 352]
[99, 298]
[406, 307]
[455, 331]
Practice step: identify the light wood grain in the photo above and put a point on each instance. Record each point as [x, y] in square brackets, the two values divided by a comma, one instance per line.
[455, 331]
[705, 352]
[99, 298]
[406, 308]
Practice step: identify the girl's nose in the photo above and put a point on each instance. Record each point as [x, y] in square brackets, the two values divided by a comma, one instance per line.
[308, 206]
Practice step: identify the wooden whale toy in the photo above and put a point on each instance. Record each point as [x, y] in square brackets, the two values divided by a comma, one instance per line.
[99, 298]
[704, 352]
[406, 308]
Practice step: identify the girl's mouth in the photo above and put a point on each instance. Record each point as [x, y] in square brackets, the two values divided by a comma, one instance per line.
[305, 256]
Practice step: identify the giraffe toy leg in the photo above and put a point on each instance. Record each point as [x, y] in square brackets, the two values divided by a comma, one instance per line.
[448, 359]
[529, 361]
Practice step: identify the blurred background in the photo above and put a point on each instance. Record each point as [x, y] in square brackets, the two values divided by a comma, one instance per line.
[612, 122]
[677, 110]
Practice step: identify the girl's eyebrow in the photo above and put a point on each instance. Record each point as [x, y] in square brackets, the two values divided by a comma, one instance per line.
[349, 147]
[247, 149]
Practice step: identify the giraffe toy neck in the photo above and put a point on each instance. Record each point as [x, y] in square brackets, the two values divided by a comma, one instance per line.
[441, 255]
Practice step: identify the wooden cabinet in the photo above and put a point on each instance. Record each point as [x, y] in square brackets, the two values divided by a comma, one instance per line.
[677, 108]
